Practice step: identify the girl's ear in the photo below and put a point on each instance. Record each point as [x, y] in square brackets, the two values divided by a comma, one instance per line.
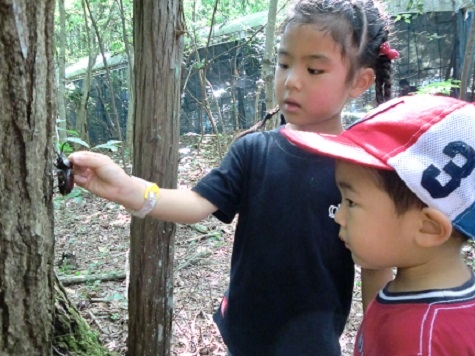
[364, 78]
[435, 228]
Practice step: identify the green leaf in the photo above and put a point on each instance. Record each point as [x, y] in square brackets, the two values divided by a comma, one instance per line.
[200, 228]
[78, 141]
[73, 133]
[109, 145]
[115, 297]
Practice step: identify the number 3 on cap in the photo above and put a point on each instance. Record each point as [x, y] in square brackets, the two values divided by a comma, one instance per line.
[457, 173]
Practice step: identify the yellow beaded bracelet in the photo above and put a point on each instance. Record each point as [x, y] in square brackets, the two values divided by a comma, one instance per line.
[150, 196]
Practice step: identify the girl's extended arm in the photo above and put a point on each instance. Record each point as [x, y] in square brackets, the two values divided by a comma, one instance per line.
[372, 281]
[101, 176]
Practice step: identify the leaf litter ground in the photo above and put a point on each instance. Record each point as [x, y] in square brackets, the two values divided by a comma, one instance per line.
[92, 237]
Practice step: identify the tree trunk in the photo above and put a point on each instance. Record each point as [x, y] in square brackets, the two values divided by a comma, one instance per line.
[158, 46]
[129, 131]
[468, 61]
[116, 122]
[81, 117]
[61, 124]
[32, 302]
[267, 61]
[27, 110]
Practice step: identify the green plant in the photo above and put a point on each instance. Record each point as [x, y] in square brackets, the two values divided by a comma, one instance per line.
[115, 316]
[444, 87]
[67, 268]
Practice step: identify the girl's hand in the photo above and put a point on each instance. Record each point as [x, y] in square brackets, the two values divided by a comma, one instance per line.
[101, 176]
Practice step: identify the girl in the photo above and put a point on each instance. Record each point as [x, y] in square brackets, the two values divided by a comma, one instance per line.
[291, 277]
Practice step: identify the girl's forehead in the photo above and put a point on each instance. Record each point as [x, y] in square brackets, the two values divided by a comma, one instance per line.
[309, 37]
[315, 29]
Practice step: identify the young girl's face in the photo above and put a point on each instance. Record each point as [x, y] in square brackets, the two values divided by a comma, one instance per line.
[369, 224]
[311, 79]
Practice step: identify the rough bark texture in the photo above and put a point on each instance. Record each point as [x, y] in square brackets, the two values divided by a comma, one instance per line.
[27, 109]
[61, 58]
[467, 62]
[158, 30]
[129, 132]
[72, 334]
[267, 61]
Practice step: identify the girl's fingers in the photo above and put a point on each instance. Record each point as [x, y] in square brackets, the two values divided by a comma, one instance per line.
[81, 176]
[88, 159]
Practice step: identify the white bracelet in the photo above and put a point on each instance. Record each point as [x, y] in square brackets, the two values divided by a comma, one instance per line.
[150, 196]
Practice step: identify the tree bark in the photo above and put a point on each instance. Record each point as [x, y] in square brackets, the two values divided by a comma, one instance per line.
[61, 58]
[116, 123]
[267, 61]
[33, 305]
[81, 117]
[158, 46]
[129, 131]
[468, 61]
[27, 111]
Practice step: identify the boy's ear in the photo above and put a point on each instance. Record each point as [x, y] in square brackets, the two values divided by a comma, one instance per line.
[364, 78]
[435, 228]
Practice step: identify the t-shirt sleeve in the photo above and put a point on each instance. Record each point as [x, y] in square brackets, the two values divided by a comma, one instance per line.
[223, 185]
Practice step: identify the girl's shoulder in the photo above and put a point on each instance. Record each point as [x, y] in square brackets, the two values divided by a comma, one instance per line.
[273, 144]
[259, 139]
[260, 135]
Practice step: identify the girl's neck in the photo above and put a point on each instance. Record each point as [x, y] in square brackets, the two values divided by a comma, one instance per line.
[442, 273]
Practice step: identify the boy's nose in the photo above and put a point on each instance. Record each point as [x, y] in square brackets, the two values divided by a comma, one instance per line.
[335, 213]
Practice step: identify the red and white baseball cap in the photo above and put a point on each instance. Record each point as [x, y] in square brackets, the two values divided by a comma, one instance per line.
[428, 140]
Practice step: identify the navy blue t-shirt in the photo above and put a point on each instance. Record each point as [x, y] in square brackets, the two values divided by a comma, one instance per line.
[291, 277]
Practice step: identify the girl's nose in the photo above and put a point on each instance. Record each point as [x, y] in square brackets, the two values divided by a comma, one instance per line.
[292, 81]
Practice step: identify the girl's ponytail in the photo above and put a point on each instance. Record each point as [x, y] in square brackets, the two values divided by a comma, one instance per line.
[383, 81]
[261, 123]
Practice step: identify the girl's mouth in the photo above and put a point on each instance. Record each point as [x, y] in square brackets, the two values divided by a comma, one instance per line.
[291, 106]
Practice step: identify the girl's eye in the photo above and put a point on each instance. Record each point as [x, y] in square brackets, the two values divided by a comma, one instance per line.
[350, 203]
[314, 71]
[283, 65]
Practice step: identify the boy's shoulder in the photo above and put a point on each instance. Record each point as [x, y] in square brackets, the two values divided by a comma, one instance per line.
[415, 328]
[412, 320]
[435, 296]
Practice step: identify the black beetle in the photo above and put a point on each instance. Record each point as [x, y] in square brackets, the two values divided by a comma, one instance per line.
[64, 172]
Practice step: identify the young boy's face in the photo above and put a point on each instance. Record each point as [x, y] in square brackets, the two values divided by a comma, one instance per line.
[369, 225]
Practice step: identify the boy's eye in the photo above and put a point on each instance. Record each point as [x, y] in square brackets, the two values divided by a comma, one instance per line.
[350, 203]
[283, 65]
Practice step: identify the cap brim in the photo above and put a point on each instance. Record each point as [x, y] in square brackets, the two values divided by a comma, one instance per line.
[336, 146]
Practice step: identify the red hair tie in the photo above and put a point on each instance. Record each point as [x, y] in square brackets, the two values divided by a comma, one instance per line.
[385, 50]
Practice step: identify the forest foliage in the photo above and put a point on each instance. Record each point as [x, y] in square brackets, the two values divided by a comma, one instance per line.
[203, 103]
[197, 15]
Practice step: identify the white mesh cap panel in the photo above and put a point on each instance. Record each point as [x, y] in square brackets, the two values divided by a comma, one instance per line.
[454, 192]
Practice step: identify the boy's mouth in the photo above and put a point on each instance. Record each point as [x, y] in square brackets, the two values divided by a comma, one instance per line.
[343, 240]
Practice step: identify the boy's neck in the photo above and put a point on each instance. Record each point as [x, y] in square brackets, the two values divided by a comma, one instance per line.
[439, 273]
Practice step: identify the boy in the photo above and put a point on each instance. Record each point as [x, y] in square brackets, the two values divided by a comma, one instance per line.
[406, 173]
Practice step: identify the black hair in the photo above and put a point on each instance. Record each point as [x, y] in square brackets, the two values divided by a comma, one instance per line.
[403, 198]
[360, 27]
[261, 123]
[390, 182]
